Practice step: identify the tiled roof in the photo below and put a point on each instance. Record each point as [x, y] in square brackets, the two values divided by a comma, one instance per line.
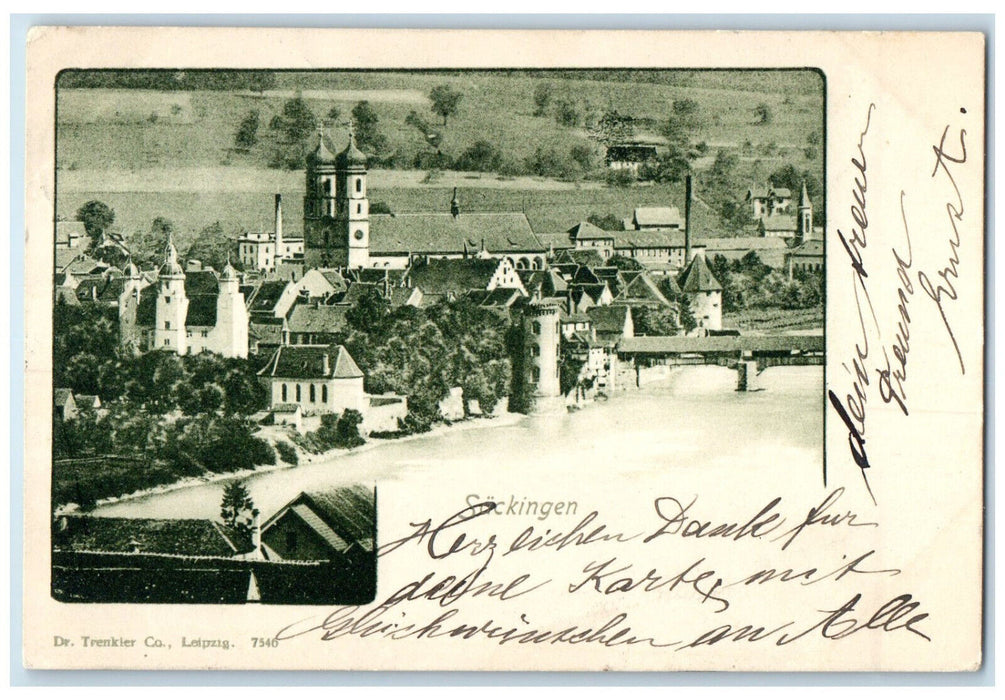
[458, 276]
[654, 238]
[499, 296]
[584, 230]
[351, 511]
[312, 362]
[201, 282]
[267, 296]
[780, 222]
[808, 249]
[746, 243]
[201, 310]
[608, 319]
[61, 396]
[668, 217]
[145, 536]
[557, 241]
[698, 278]
[437, 233]
[314, 318]
[643, 288]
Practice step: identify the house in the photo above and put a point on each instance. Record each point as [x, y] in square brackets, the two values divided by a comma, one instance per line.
[797, 227]
[325, 379]
[64, 404]
[630, 155]
[338, 526]
[318, 549]
[650, 218]
[585, 235]
[770, 250]
[288, 414]
[315, 324]
[768, 200]
[87, 402]
[807, 256]
[453, 278]
[611, 323]
[704, 293]
[642, 291]
[268, 251]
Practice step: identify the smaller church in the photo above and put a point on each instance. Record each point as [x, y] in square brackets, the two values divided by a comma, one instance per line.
[184, 311]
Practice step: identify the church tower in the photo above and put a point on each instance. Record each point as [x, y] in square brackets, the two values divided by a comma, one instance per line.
[804, 229]
[171, 310]
[336, 208]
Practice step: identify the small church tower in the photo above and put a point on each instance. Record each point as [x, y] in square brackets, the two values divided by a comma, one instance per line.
[336, 208]
[543, 335]
[172, 305]
[804, 226]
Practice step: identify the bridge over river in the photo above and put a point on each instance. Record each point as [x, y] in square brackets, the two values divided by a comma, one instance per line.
[748, 354]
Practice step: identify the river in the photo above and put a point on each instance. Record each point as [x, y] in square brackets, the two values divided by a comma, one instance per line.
[695, 420]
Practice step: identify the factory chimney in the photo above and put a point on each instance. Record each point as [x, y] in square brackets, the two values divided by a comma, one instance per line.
[279, 227]
[687, 220]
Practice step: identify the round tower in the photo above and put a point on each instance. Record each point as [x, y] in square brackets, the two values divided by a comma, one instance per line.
[543, 336]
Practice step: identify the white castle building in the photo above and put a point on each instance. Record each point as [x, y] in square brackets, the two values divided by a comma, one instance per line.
[185, 312]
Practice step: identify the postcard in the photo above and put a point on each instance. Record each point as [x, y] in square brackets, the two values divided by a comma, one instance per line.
[504, 350]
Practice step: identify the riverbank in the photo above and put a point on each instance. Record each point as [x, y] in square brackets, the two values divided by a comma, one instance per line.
[304, 459]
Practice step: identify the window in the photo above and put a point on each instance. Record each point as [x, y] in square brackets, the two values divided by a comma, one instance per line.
[167, 342]
[284, 393]
[359, 185]
[536, 327]
[205, 334]
[167, 300]
[167, 325]
[313, 399]
[359, 208]
[536, 374]
[324, 393]
[298, 393]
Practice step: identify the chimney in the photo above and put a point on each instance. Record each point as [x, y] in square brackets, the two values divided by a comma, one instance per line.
[279, 224]
[256, 530]
[455, 205]
[687, 220]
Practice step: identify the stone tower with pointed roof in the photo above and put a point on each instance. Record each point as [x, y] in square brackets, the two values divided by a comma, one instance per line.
[804, 225]
[704, 292]
[172, 304]
[336, 208]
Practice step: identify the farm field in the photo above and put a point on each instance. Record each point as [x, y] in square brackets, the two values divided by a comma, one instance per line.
[128, 129]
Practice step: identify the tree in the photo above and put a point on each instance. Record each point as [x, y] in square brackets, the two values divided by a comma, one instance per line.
[623, 262]
[687, 319]
[542, 96]
[247, 132]
[607, 222]
[211, 247]
[567, 113]
[347, 429]
[763, 113]
[237, 510]
[481, 156]
[298, 120]
[97, 217]
[654, 321]
[445, 100]
[368, 135]
[333, 114]
[613, 127]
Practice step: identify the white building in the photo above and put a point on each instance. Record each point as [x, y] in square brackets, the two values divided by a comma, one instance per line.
[264, 250]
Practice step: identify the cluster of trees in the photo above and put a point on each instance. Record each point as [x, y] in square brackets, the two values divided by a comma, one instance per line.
[749, 283]
[256, 80]
[423, 353]
[335, 431]
[188, 415]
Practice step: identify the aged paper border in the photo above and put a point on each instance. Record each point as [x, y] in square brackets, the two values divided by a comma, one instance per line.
[645, 50]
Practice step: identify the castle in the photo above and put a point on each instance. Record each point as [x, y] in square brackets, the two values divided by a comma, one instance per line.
[184, 311]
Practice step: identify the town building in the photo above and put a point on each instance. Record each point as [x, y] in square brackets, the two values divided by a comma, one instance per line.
[325, 379]
[267, 251]
[630, 156]
[186, 312]
[781, 223]
[807, 256]
[768, 200]
[338, 526]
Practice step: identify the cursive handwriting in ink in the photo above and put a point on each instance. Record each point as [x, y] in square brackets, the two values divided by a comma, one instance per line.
[944, 291]
[426, 532]
[822, 515]
[852, 409]
[896, 614]
[892, 377]
[604, 578]
[677, 521]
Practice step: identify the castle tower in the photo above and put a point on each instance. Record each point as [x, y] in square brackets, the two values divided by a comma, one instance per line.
[231, 329]
[543, 335]
[336, 208]
[171, 310]
[804, 227]
[129, 302]
[704, 292]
